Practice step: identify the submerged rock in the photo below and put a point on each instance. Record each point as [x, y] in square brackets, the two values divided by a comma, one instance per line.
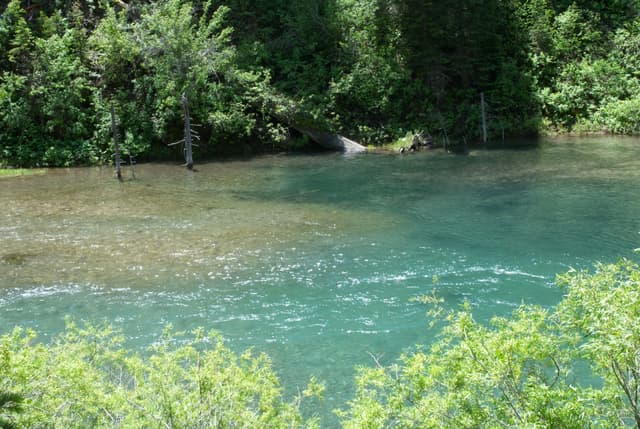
[15, 258]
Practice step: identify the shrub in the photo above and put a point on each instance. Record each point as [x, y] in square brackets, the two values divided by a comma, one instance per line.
[574, 366]
[620, 116]
[84, 378]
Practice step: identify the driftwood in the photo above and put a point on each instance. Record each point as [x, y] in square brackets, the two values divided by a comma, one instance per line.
[291, 117]
[419, 141]
[333, 141]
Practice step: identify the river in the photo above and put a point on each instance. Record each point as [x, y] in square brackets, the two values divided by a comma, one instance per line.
[313, 259]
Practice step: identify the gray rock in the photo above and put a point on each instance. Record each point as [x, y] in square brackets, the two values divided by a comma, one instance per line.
[334, 141]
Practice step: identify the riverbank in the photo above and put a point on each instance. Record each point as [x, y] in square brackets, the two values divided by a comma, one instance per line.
[13, 172]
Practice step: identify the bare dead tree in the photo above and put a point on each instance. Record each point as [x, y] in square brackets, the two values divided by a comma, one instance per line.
[484, 119]
[114, 130]
[188, 141]
[189, 134]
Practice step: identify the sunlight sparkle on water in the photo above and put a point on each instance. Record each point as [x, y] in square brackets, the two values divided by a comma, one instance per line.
[312, 259]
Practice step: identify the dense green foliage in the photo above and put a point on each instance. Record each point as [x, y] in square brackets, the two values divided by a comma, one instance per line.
[10, 404]
[253, 69]
[573, 366]
[85, 379]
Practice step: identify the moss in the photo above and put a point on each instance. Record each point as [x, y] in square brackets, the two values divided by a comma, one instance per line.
[13, 172]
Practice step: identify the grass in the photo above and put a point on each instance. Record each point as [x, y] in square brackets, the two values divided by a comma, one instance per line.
[13, 172]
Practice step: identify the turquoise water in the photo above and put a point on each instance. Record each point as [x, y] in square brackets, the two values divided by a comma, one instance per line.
[313, 259]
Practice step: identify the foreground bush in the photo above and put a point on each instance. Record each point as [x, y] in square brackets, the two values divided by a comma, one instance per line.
[85, 379]
[575, 366]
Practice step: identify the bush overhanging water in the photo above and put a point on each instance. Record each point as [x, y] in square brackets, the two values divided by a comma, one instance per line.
[575, 365]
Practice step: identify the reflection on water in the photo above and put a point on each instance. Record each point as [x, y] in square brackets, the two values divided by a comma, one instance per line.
[312, 259]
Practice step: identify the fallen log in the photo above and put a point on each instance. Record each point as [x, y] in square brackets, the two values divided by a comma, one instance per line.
[333, 141]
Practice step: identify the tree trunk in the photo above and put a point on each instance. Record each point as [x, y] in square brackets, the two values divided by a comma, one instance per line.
[484, 119]
[188, 141]
[114, 130]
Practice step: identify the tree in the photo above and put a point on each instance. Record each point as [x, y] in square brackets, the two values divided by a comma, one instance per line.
[16, 39]
[373, 89]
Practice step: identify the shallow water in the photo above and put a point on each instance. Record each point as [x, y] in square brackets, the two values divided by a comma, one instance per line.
[312, 259]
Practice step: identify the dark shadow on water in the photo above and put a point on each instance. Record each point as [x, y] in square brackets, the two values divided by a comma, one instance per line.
[16, 258]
